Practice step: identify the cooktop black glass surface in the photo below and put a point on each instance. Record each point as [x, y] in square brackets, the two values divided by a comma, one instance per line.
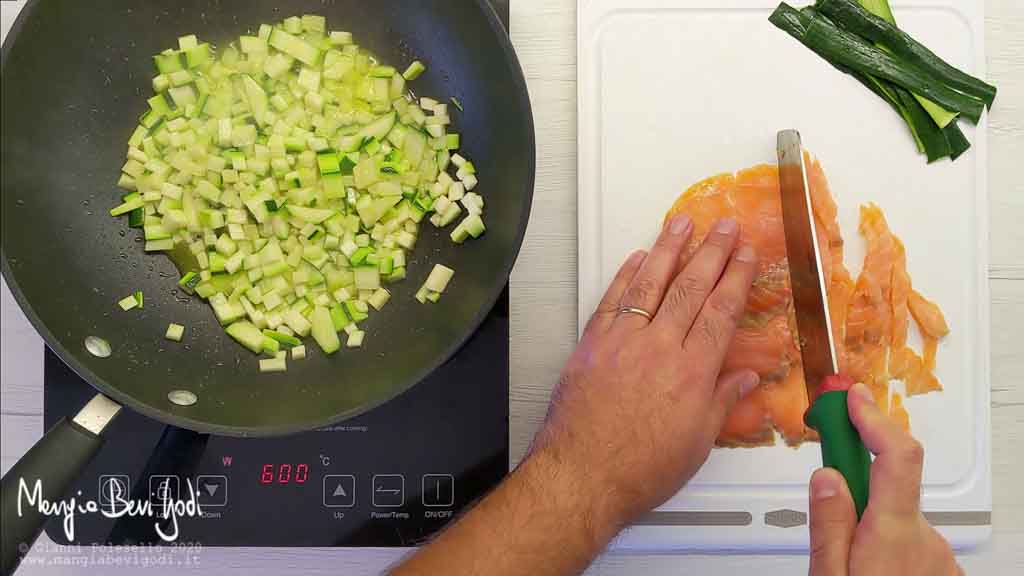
[391, 477]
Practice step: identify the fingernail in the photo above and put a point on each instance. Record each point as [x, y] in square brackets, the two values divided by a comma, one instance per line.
[678, 225]
[636, 257]
[823, 485]
[749, 382]
[746, 254]
[862, 392]
[726, 226]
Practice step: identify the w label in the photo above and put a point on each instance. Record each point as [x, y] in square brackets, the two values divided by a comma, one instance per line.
[225, 460]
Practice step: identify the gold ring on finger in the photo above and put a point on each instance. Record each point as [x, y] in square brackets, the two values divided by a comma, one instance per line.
[635, 310]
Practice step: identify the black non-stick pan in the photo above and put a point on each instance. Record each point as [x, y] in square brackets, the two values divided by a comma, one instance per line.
[75, 77]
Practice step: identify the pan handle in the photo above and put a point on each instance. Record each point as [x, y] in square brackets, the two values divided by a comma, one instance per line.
[53, 464]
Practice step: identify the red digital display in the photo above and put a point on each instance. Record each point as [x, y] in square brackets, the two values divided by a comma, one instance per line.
[284, 474]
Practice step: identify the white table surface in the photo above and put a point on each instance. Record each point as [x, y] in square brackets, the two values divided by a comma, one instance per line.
[544, 320]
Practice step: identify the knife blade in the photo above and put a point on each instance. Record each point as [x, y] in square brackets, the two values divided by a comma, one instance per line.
[814, 324]
[841, 445]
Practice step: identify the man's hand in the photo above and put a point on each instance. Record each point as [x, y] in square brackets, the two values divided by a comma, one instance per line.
[641, 400]
[636, 412]
[893, 537]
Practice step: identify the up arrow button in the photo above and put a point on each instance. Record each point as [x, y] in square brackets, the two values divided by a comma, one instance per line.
[339, 491]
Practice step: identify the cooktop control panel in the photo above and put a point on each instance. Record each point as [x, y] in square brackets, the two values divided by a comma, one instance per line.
[391, 477]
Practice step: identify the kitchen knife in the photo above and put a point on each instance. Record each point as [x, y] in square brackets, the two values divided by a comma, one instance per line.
[841, 446]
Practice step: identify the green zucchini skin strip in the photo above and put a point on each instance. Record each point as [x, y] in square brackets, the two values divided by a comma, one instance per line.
[923, 129]
[941, 116]
[926, 133]
[958, 143]
[955, 139]
[849, 49]
[837, 46]
[850, 16]
[936, 147]
[879, 8]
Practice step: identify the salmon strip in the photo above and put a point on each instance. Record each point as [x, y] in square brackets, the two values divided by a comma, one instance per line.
[840, 291]
[922, 381]
[869, 319]
[898, 413]
[928, 315]
[902, 362]
[870, 314]
[826, 212]
[787, 401]
[914, 372]
[900, 294]
[930, 348]
[881, 398]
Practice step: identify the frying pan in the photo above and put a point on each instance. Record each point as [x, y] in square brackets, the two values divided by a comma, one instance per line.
[75, 77]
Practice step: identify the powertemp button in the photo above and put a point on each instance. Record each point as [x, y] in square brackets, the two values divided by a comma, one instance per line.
[388, 490]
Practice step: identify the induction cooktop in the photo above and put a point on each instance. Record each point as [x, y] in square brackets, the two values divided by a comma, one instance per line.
[393, 476]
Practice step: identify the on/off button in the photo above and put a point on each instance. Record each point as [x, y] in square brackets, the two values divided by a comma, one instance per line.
[438, 490]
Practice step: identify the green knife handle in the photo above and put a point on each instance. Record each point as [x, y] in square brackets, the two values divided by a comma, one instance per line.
[841, 446]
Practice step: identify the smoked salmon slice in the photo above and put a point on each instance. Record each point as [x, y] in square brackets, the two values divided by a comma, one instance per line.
[870, 313]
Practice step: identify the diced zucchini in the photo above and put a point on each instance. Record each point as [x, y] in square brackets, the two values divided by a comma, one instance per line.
[174, 332]
[277, 364]
[323, 330]
[474, 225]
[270, 346]
[198, 57]
[310, 215]
[339, 318]
[257, 99]
[295, 47]
[297, 322]
[379, 298]
[252, 44]
[167, 62]
[439, 277]
[128, 302]
[159, 245]
[355, 339]
[414, 70]
[295, 169]
[246, 334]
[367, 278]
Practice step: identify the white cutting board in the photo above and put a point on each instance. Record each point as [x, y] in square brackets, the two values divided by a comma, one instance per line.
[673, 91]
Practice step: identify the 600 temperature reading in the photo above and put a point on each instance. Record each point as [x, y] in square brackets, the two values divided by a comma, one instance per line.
[284, 474]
